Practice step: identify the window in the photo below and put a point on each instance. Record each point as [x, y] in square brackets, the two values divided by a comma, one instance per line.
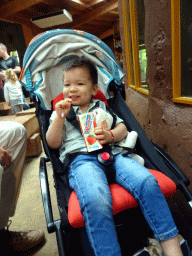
[136, 57]
[181, 27]
[143, 65]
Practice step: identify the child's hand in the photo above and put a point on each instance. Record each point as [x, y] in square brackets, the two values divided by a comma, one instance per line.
[103, 136]
[63, 107]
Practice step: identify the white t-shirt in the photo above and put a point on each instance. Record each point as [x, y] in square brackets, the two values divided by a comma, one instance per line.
[13, 94]
[73, 140]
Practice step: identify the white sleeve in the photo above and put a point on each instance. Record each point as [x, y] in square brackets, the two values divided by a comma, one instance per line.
[51, 119]
[52, 116]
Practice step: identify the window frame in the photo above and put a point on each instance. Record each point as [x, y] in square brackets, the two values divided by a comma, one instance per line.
[130, 5]
[176, 53]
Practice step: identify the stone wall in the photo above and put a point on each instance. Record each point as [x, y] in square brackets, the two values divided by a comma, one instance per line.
[167, 124]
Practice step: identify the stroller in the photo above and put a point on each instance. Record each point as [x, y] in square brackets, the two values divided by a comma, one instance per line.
[42, 77]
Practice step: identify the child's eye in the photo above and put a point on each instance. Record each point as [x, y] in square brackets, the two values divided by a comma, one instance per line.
[66, 85]
[80, 83]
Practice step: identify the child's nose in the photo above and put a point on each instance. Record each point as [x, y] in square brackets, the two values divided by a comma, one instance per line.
[73, 88]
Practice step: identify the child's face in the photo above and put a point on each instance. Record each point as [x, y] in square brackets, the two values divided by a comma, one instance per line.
[79, 87]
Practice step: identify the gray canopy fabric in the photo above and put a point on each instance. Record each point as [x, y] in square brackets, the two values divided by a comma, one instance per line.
[47, 53]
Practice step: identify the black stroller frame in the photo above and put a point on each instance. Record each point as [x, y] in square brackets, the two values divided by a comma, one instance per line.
[168, 167]
[155, 158]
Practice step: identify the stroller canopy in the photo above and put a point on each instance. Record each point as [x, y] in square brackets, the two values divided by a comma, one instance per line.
[47, 53]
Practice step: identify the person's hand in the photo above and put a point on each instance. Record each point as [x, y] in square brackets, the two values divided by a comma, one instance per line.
[102, 135]
[63, 107]
[5, 158]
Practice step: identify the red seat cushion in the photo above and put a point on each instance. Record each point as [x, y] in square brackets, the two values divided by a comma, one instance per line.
[122, 199]
[98, 96]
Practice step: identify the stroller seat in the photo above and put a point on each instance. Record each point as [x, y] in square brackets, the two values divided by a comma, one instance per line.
[122, 199]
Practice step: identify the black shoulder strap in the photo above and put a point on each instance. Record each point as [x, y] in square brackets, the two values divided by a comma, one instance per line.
[73, 119]
[113, 115]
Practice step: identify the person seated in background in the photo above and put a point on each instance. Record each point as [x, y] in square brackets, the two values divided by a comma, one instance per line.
[6, 63]
[13, 144]
[13, 91]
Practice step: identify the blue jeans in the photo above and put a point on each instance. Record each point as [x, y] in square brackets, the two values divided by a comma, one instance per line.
[87, 178]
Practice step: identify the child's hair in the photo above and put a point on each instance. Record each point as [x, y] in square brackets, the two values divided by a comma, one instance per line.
[11, 76]
[82, 62]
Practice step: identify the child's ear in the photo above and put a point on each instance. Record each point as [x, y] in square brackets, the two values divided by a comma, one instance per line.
[94, 90]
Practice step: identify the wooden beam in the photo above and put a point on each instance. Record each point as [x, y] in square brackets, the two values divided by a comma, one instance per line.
[18, 19]
[113, 4]
[79, 2]
[107, 33]
[16, 6]
[116, 12]
[92, 3]
[52, 2]
[27, 33]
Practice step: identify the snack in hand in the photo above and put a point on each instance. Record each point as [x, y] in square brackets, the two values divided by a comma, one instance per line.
[88, 124]
[63, 105]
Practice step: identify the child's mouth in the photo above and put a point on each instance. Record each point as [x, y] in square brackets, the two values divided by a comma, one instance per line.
[74, 98]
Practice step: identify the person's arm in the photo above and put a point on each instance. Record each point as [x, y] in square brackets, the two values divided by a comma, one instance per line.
[17, 69]
[55, 132]
[105, 137]
[16, 66]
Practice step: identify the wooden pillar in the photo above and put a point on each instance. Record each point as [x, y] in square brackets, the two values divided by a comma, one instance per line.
[29, 32]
